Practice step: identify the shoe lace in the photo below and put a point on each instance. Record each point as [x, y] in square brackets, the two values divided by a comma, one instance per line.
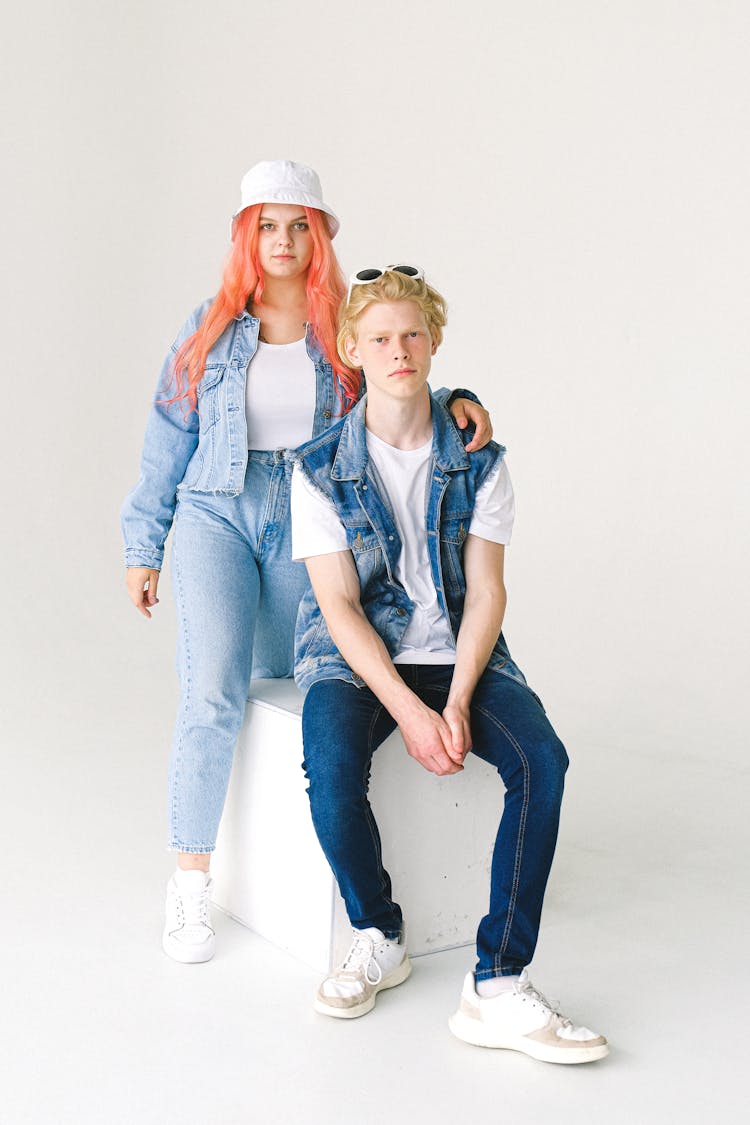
[361, 958]
[192, 907]
[527, 990]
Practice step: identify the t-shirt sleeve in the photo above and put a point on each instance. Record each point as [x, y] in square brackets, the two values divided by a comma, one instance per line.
[494, 507]
[316, 526]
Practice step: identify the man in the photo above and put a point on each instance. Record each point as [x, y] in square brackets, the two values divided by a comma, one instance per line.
[403, 535]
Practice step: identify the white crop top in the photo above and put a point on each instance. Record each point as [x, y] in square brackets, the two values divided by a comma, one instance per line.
[280, 396]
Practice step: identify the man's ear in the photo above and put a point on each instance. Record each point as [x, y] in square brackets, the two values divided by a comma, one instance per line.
[434, 346]
[352, 351]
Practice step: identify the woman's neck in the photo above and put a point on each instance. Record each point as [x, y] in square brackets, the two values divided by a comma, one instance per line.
[282, 311]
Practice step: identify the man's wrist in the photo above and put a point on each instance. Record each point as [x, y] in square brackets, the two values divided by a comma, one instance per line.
[404, 704]
[460, 699]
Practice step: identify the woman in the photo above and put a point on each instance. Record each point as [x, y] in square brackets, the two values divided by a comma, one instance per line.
[216, 461]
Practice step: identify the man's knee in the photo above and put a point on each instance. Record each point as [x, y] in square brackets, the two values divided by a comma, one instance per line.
[547, 762]
[332, 767]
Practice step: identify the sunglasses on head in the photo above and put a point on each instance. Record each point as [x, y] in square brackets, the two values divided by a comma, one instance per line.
[365, 276]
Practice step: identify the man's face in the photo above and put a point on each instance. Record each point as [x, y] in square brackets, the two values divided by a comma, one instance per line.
[393, 347]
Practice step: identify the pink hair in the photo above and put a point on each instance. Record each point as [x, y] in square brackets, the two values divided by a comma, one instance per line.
[243, 278]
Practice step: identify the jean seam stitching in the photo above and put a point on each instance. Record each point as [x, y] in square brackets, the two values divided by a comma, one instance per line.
[513, 898]
[271, 495]
[371, 823]
[184, 709]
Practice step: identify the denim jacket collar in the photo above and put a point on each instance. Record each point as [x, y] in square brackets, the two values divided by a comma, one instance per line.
[314, 349]
[351, 458]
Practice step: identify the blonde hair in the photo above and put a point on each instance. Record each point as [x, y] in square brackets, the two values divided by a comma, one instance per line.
[391, 286]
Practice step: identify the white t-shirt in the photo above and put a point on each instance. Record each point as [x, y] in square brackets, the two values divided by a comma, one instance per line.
[280, 396]
[318, 530]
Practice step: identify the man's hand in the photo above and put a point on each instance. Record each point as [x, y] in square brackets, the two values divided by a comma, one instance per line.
[428, 740]
[457, 719]
[142, 582]
[465, 411]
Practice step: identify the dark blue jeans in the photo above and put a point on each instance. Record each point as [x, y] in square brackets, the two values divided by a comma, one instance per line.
[342, 727]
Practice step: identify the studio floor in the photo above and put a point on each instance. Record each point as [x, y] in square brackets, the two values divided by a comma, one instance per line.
[642, 939]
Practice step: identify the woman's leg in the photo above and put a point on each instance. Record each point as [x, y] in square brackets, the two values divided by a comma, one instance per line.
[216, 586]
[283, 582]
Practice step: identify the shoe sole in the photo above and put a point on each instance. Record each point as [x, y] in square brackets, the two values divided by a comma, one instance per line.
[185, 954]
[479, 1035]
[398, 976]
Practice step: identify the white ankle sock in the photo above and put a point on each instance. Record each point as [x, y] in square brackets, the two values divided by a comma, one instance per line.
[188, 879]
[494, 986]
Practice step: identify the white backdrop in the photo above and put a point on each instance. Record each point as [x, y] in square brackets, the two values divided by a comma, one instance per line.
[574, 176]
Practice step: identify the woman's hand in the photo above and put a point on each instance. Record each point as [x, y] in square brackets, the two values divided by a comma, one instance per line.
[465, 411]
[142, 582]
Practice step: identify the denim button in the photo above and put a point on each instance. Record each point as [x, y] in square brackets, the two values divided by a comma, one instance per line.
[391, 538]
[401, 611]
[326, 414]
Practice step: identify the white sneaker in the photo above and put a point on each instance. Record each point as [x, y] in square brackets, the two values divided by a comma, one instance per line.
[188, 935]
[522, 1020]
[373, 962]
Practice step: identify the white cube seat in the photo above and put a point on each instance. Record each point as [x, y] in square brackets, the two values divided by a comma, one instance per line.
[270, 873]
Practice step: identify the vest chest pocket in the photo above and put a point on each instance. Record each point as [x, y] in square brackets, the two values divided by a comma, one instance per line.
[454, 529]
[368, 557]
[362, 539]
[453, 532]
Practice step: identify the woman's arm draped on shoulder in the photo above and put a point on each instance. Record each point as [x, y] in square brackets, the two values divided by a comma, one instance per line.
[469, 413]
[467, 410]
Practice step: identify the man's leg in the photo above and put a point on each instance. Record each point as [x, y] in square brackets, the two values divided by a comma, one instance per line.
[499, 1005]
[342, 725]
[512, 733]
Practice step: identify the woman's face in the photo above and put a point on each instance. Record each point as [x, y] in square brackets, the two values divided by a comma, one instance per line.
[285, 245]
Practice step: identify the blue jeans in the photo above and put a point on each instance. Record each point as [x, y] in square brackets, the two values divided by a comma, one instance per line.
[343, 725]
[237, 592]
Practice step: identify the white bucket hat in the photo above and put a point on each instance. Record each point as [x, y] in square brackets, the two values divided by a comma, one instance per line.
[284, 181]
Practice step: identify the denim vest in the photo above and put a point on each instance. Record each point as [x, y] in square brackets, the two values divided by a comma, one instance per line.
[337, 465]
[204, 451]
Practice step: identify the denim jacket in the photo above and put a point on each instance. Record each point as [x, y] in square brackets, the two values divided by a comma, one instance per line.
[337, 465]
[207, 451]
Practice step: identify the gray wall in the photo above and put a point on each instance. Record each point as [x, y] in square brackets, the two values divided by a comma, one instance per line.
[572, 175]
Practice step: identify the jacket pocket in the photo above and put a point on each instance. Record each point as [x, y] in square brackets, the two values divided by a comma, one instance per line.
[210, 393]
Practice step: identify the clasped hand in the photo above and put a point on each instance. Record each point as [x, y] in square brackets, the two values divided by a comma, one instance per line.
[438, 742]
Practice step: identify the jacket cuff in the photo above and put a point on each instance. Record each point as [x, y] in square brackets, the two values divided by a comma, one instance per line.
[460, 392]
[137, 556]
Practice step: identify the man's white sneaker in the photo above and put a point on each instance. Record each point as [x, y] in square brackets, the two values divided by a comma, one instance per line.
[522, 1020]
[373, 962]
[188, 935]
